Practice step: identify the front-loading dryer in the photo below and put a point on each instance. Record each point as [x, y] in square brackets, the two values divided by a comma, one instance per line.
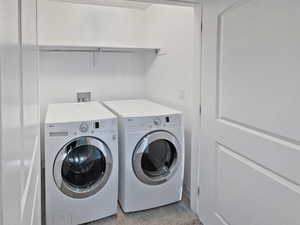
[151, 154]
[81, 163]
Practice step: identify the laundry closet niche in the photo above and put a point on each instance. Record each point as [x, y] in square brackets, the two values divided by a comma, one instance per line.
[125, 52]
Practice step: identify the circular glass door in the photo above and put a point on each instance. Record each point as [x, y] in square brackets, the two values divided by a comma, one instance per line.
[82, 167]
[156, 157]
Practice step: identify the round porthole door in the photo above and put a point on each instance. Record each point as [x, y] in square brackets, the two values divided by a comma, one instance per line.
[156, 157]
[82, 167]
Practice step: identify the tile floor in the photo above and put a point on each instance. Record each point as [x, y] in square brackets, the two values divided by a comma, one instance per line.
[174, 214]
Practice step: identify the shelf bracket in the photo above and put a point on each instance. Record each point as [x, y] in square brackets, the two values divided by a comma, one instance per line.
[94, 59]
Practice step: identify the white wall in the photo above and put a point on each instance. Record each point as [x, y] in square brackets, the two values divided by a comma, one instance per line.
[170, 76]
[115, 75]
[64, 23]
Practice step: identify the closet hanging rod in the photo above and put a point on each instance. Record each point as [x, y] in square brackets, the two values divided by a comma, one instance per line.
[49, 48]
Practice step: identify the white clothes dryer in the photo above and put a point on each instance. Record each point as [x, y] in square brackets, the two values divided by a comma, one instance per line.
[151, 154]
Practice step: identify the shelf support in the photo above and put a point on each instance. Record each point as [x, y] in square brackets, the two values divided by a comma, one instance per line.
[94, 59]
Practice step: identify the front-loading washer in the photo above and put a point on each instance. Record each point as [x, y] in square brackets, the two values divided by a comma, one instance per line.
[151, 154]
[81, 163]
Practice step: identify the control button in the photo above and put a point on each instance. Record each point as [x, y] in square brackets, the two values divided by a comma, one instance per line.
[168, 119]
[157, 122]
[84, 127]
[97, 125]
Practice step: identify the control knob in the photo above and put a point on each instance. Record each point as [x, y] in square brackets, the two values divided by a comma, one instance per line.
[84, 127]
[157, 121]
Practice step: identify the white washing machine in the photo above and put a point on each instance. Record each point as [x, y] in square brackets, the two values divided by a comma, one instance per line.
[151, 154]
[81, 163]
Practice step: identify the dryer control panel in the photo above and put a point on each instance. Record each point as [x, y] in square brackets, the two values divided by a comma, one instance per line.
[155, 122]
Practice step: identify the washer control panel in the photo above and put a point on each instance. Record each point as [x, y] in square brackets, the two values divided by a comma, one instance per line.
[82, 128]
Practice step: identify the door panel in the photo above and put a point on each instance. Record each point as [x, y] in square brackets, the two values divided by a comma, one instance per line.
[264, 33]
[249, 164]
[31, 193]
[36, 210]
[250, 194]
[274, 154]
[20, 146]
[10, 133]
[30, 101]
[30, 113]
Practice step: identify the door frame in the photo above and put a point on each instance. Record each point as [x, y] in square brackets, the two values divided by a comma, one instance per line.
[196, 129]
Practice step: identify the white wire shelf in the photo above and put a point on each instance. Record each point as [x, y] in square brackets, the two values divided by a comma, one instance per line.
[103, 49]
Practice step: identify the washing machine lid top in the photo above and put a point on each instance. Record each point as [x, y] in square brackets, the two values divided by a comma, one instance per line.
[139, 108]
[77, 112]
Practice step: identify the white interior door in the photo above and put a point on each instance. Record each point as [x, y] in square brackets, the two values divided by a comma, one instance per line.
[10, 133]
[250, 147]
[19, 114]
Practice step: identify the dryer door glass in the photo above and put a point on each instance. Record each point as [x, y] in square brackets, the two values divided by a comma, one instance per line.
[156, 158]
[82, 167]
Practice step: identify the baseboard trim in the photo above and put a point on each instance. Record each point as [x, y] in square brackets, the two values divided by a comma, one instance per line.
[187, 192]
